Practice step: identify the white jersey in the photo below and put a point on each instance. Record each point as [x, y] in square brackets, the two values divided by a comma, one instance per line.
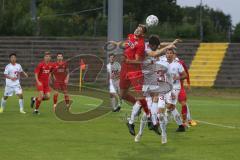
[114, 70]
[162, 70]
[13, 71]
[175, 69]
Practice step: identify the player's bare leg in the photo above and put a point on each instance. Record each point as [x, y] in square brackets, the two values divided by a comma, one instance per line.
[3, 103]
[21, 103]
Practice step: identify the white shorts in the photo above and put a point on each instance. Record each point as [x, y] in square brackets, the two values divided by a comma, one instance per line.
[162, 101]
[170, 99]
[9, 90]
[114, 86]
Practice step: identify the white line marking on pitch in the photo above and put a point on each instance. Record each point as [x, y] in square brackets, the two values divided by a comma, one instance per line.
[89, 104]
[218, 125]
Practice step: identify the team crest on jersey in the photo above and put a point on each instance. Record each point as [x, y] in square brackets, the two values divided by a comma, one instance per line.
[132, 44]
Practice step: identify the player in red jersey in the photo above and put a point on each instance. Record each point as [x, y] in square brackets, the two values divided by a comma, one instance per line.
[60, 77]
[182, 98]
[42, 74]
[131, 73]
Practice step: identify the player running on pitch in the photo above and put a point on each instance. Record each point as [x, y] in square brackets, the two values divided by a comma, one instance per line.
[60, 74]
[12, 74]
[42, 75]
[113, 69]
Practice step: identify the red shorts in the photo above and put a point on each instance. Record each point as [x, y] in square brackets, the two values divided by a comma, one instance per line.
[60, 86]
[182, 96]
[134, 79]
[44, 88]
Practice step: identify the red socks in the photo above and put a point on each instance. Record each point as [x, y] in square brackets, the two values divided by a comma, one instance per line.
[55, 98]
[38, 102]
[184, 113]
[66, 97]
[144, 105]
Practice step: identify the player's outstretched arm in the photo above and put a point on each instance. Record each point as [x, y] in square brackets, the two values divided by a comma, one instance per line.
[121, 43]
[25, 74]
[160, 52]
[163, 44]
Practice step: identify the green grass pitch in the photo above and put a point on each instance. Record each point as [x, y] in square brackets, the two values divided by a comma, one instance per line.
[44, 137]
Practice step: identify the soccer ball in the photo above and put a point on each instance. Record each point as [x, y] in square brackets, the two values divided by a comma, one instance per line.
[152, 20]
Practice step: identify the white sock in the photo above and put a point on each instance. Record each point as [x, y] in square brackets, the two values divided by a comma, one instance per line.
[20, 104]
[177, 117]
[154, 110]
[113, 102]
[3, 103]
[149, 101]
[135, 110]
[188, 113]
[162, 122]
[142, 123]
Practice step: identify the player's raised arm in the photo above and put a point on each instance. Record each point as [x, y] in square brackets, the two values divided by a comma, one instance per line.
[161, 51]
[120, 43]
[163, 44]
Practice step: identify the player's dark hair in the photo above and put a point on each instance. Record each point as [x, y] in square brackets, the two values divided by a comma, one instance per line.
[154, 40]
[59, 53]
[12, 54]
[144, 28]
[47, 53]
[111, 54]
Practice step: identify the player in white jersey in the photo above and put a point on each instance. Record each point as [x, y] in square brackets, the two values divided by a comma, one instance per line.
[113, 69]
[177, 73]
[156, 82]
[12, 74]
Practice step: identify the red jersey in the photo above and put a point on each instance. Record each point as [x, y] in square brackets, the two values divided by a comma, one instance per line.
[133, 47]
[60, 71]
[43, 70]
[186, 70]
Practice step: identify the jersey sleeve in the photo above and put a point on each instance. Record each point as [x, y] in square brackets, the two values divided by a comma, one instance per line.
[20, 68]
[6, 71]
[37, 69]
